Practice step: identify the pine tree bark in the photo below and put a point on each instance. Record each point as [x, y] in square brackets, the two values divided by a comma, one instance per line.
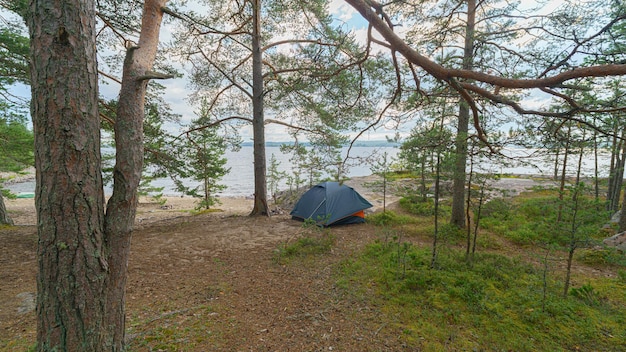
[69, 197]
[258, 124]
[122, 206]
[5, 219]
[83, 253]
[457, 217]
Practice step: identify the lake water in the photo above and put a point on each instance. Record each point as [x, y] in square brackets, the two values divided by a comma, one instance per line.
[240, 180]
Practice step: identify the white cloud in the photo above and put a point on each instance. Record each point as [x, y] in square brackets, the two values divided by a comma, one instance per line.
[341, 10]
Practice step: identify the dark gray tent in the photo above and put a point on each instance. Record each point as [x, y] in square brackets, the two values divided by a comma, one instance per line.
[331, 203]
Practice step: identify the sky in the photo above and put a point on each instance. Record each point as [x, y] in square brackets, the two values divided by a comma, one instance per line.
[177, 90]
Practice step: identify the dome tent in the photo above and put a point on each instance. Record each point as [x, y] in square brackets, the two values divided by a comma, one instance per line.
[331, 203]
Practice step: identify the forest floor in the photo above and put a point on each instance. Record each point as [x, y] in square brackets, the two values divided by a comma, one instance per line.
[217, 271]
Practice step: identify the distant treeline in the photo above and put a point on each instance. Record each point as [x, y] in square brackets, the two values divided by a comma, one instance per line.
[356, 144]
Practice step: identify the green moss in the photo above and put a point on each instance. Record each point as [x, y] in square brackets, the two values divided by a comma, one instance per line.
[494, 303]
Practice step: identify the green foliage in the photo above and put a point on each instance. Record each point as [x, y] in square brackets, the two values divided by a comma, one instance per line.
[16, 141]
[601, 257]
[161, 153]
[315, 162]
[586, 294]
[388, 218]
[544, 218]
[274, 176]
[492, 304]
[14, 54]
[304, 247]
[202, 157]
[497, 208]
[621, 275]
[417, 205]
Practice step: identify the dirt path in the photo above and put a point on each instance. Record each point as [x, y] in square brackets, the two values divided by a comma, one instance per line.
[221, 271]
[216, 272]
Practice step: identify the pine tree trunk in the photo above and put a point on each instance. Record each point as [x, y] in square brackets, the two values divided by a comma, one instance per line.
[458, 188]
[258, 123]
[566, 152]
[83, 254]
[616, 181]
[122, 206]
[4, 216]
[69, 197]
[555, 174]
[612, 199]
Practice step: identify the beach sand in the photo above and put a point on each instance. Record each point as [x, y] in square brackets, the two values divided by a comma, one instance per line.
[22, 210]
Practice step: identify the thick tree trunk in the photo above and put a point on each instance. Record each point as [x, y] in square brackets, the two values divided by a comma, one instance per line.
[258, 123]
[458, 188]
[122, 205]
[82, 253]
[69, 196]
[4, 216]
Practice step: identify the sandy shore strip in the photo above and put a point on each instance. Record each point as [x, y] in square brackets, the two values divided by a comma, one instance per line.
[22, 210]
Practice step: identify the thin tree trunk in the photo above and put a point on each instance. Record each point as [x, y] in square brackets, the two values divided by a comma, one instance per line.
[556, 164]
[613, 175]
[258, 123]
[5, 219]
[423, 189]
[477, 215]
[596, 167]
[580, 158]
[457, 217]
[619, 179]
[568, 272]
[622, 216]
[562, 181]
[122, 206]
[467, 208]
[433, 259]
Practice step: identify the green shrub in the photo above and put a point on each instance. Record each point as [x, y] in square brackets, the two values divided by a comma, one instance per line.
[497, 208]
[524, 235]
[451, 233]
[416, 205]
[587, 294]
[388, 218]
[494, 303]
[604, 256]
[304, 246]
[621, 275]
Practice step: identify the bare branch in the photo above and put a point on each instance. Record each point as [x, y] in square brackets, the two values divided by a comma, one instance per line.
[154, 75]
[247, 119]
[445, 74]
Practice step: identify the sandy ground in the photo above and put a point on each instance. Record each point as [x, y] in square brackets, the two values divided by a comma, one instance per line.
[217, 270]
[22, 211]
